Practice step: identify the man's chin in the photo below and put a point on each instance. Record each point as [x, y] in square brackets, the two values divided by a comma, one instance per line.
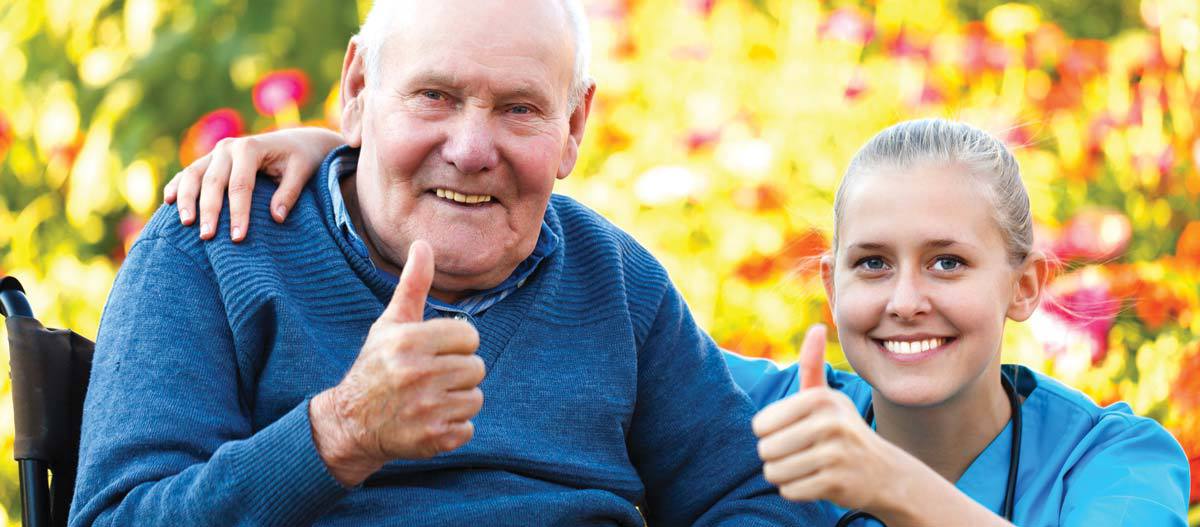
[459, 276]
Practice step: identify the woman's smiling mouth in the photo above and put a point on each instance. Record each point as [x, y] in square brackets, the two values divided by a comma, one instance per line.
[910, 349]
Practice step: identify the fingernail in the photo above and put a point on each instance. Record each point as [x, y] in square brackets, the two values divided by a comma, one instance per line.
[205, 229]
[280, 212]
[185, 215]
[235, 233]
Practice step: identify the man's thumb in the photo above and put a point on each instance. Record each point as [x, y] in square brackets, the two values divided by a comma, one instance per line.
[812, 358]
[408, 302]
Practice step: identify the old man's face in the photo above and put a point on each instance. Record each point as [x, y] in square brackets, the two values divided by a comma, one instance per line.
[464, 133]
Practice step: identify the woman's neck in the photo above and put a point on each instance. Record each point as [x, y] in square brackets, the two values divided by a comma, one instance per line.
[949, 436]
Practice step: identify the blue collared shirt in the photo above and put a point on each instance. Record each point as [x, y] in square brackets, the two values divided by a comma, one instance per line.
[473, 305]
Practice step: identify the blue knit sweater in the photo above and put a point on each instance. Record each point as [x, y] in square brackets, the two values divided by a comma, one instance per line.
[601, 391]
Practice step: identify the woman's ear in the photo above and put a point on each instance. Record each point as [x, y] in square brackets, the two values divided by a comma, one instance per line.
[1031, 283]
[827, 265]
[354, 81]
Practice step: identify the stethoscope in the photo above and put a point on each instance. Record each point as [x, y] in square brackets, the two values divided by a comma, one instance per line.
[1014, 459]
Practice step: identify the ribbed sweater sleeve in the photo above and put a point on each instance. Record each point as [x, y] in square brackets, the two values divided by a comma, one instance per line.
[690, 436]
[176, 446]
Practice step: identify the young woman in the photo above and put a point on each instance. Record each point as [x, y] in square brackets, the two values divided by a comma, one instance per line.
[932, 253]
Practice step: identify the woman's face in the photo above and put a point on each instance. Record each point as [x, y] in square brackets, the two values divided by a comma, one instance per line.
[920, 283]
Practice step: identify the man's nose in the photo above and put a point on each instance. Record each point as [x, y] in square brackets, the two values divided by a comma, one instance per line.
[909, 298]
[471, 145]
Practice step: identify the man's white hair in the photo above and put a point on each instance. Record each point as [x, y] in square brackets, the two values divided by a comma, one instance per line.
[373, 33]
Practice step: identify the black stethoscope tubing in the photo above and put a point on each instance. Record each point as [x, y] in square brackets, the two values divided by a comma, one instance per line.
[1014, 459]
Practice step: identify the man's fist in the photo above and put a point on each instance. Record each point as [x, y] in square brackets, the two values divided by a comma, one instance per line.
[411, 392]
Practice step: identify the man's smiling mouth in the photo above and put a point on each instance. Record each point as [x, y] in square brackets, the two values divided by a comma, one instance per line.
[465, 199]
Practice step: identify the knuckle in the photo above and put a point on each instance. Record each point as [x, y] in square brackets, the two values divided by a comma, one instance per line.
[243, 146]
[225, 143]
[239, 185]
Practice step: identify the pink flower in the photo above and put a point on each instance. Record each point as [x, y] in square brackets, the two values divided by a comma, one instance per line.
[280, 91]
[1094, 234]
[208, 130]
[1077, 312]
[849, 25]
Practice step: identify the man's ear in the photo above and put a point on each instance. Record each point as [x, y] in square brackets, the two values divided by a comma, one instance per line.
[578, 121]
[351, 92]
[1031, 283]
[827, 264]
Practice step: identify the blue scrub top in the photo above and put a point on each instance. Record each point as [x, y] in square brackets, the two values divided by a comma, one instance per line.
[1081, 465]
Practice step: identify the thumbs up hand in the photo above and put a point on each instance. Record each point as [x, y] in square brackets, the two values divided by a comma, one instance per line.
[815, 445]
[412, 391]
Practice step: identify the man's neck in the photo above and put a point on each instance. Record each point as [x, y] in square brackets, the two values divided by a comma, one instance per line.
[947, 437]
[350, 197]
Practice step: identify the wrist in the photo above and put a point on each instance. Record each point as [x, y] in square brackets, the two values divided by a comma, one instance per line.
[900, 502]
[335, 444]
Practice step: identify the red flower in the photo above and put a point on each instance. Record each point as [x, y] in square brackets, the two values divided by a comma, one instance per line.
[6, 135]
[208, 130]
[279, 90]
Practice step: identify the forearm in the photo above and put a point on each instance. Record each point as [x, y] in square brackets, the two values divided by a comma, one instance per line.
[274, 477]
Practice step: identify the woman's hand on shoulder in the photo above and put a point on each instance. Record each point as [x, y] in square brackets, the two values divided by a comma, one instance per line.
[290, 156]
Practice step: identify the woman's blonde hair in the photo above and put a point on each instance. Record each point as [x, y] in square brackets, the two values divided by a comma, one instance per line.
[941, 142]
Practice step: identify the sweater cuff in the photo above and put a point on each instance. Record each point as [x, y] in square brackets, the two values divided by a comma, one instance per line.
[283, 477]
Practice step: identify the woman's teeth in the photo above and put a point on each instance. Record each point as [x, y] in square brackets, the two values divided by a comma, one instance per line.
[462, 198]
[912, 347]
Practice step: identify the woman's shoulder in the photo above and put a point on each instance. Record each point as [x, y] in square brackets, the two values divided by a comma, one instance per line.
[1056, 401]
[767, 381]
[1107, 456]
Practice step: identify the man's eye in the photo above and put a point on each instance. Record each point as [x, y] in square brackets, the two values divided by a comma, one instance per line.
[947, 263]
[521, 109]
[433, 95]
[872, 263]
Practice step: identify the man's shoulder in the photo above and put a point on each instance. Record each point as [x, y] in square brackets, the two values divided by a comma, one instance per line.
[165, 225]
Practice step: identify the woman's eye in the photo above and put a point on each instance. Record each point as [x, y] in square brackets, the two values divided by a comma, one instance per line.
[947, 263]
[872, 263]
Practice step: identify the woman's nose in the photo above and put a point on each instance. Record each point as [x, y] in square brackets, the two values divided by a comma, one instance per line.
[909, 299]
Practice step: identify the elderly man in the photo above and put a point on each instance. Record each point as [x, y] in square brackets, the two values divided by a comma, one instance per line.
[295, 379]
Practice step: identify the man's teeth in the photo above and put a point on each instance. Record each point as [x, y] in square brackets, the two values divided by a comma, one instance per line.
[462, 198]
[911, 347]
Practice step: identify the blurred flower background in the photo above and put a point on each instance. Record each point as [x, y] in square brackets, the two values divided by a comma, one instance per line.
[718, 135]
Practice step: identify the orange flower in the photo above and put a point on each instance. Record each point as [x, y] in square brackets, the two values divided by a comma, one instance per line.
[1158, 305]
[749, 343]
[755, 269]
[1187, 249]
